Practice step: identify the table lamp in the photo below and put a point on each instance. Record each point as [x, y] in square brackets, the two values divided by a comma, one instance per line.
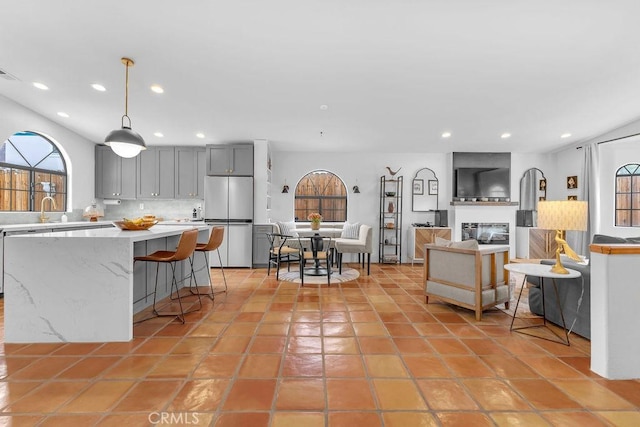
[562, 215]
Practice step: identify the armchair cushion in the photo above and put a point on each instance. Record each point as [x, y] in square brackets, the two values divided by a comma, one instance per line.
[465, 244]
[363, 244]
[350, 231]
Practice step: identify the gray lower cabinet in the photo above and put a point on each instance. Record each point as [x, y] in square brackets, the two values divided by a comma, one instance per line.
[156, 173]
[115, 175]
[230, 159]
[261, 245]
[190, 170]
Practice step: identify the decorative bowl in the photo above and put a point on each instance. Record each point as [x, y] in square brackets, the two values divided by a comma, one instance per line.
[134, 226]
[390, 194]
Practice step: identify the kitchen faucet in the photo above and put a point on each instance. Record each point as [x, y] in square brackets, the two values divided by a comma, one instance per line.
[53, 203]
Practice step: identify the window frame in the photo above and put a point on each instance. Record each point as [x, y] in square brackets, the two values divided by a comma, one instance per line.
[627, 203]
[322, 199]
[35, 194]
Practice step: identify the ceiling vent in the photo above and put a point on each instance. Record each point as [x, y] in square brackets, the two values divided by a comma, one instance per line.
[7, 76]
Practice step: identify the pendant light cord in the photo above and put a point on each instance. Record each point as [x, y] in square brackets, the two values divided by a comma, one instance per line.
[126, 89]
[127, 63]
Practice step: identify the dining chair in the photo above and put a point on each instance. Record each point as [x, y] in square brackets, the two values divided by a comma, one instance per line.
[316, 257]
[279, 251]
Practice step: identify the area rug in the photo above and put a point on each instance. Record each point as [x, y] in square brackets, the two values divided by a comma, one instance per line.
[515, 283]
[348, 274]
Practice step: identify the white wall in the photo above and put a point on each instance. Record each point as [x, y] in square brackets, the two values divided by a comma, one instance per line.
[79, 151]
[367, 170]
[613, 155]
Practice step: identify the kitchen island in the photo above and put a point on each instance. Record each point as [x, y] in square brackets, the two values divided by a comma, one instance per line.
[81, 285]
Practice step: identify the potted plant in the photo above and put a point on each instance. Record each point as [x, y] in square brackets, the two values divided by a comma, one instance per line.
[315, 219]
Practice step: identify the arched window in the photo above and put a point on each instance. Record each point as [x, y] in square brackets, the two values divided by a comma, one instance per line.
[323, 192]
[628, 196]
[31, 168]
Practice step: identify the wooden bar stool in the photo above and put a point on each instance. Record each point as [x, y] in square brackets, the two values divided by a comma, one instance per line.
[185, 250]
[215, 240]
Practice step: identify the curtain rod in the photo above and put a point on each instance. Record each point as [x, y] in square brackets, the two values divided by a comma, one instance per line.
[613, 140]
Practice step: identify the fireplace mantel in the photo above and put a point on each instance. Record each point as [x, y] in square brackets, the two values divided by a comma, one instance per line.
[469, 203]
[488, 212]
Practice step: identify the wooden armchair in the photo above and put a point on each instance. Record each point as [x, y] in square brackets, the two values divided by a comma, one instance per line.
[470, 278]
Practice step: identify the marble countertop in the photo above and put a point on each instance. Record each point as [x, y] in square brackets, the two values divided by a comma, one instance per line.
[181, 222]
[52, 225]
[154, 232]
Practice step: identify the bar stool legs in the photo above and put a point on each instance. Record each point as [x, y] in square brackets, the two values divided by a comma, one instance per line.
[213, 244]
[211, 294]
[184, 251]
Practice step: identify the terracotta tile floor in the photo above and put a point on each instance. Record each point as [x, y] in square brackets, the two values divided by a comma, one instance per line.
[364, 353]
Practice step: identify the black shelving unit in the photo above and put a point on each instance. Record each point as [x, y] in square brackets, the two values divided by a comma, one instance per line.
[390, 232]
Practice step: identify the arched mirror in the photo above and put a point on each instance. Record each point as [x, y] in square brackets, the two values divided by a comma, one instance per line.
[533, 188]
[424, 191]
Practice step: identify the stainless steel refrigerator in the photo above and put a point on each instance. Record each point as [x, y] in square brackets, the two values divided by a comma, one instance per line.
[228, 202]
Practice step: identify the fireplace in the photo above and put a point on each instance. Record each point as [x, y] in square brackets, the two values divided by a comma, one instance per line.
[486, 233]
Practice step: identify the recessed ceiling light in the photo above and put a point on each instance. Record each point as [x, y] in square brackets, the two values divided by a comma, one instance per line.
[446, 134]
[565, 135]
[41, 85]
[324, 107]
[98, 87]
[200, 135]
[505, 135]
[158, 134]
[63, 114]
[157, 89]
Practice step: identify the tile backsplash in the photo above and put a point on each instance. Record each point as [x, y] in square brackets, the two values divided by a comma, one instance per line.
[166, 209]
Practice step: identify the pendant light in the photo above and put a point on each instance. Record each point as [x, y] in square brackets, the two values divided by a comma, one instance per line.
[125, 142]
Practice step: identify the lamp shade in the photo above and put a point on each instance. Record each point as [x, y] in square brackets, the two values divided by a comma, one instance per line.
[125, 142]
[562, 215]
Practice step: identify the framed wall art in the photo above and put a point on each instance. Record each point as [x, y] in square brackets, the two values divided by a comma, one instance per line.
[543, 185]
[572, 182]
[418, 186]
[572, 197]
[433, 187]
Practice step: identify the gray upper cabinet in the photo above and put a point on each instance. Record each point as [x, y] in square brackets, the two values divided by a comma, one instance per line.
[156, 173]
[115, 175]
[230, 159]
[191, 163]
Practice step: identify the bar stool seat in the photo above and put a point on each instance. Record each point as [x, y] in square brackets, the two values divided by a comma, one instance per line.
[215, 241]
[184, 250]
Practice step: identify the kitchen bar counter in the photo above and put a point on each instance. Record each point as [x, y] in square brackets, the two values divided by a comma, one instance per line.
[81, 285]
[36, 226]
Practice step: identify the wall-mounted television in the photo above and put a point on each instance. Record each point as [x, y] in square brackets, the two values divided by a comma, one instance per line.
[483, 182]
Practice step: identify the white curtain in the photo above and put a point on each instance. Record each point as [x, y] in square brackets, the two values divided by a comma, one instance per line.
[589, 191]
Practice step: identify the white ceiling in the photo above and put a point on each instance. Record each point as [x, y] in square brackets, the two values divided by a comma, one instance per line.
[394, 74]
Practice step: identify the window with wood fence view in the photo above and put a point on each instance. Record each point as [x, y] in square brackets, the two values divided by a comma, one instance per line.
[31, 168]
[628, 196]
[323, 192]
